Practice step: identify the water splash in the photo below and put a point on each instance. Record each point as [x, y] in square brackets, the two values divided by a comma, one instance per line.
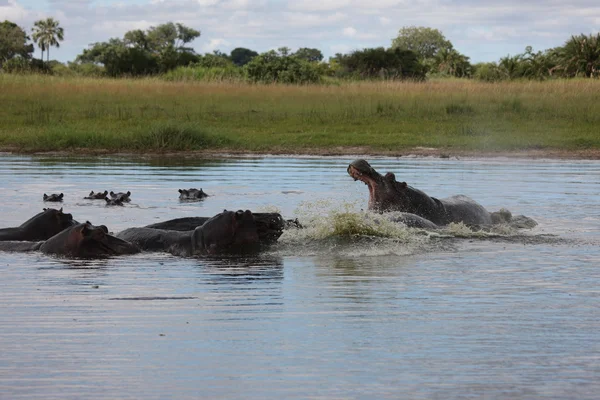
[346, 230]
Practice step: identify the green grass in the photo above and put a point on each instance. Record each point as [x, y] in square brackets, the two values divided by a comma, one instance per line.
[43, 113]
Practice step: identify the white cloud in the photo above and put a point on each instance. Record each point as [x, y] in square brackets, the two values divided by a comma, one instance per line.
[12, 11]
[318, 5]
[215, 44]
[349, 31]
[384, 21]
[486, 29]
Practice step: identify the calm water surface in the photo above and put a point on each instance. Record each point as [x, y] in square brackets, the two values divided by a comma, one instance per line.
[318, 316]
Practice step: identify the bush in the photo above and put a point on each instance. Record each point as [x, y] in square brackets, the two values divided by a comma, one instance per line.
[272, 67]
[16, 65]
[211, 74]
[381, 63]
[488, 72]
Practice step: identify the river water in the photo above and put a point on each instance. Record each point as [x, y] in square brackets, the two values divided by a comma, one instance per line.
[450, 315]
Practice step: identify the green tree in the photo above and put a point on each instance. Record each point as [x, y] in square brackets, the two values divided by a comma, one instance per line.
[451, 62]
[119, 59]
[159, 49]
[241, 56]
[381, 63]
[580, 56]
[312, 55]
[47, 33]
[13, 42]
[281, 67]
[425, 42]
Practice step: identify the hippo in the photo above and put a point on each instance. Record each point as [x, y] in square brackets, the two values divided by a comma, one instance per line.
[97, 195]
[123, 197]
[80, 241]
[386, 194]
[115, 201]
[41, 226]
[53, 197]
[269, 226]
[191, 194]
[226, 232]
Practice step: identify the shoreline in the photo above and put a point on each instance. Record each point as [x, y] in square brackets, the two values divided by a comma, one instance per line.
[551, 154]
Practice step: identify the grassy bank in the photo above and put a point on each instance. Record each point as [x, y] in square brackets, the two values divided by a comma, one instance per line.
[42, 113]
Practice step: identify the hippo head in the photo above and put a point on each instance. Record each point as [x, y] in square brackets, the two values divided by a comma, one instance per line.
[233, 232]
[87, 241]
[192, 194]
[53, 197]
[121, 196]
[49, 222]
[115, 201]
[385, 193]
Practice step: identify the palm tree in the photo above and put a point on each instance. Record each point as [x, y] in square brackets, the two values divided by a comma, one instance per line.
[47, 33]
[581, 56]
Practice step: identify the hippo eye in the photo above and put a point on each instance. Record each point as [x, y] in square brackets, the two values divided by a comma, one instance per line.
[390, 176]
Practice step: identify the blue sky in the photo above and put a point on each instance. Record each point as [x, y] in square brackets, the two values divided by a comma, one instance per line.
[484, 30]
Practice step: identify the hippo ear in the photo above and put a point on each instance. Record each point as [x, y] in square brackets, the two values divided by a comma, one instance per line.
[91, 193]
[45, 209]
[61, 196]
[180, 191]
[45, 196]
[60, 211]
[105, 192]
[128, 193]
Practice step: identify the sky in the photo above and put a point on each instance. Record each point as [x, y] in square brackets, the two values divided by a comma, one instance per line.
[483, 30]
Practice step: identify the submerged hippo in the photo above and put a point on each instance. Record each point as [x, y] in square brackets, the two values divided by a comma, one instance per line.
[53, 197]
[41, 226]
[97, 195]
[122, 197]
[192, 194]
[115, 201]
[269, 226]
[233, 232]
[81, 241]
[386, 194]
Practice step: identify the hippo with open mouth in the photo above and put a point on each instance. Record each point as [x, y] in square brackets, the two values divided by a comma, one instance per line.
[387, 194]
[41, 226]
[226, 232]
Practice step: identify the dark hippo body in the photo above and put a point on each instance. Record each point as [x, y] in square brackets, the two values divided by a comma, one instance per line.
[53, 197]
[87, 241]
[225, 232]
[96, 196]
[80, 241]
[269, 226]
[413, 221]
[386, 194]
[191, 194]
[39, 227]
[122, 197]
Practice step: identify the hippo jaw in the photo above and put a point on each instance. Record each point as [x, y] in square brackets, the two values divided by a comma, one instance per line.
[385, 194]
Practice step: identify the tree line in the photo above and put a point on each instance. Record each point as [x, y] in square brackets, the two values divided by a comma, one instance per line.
[416, 53]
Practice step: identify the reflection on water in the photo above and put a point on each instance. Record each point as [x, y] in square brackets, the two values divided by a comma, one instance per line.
[407, 315]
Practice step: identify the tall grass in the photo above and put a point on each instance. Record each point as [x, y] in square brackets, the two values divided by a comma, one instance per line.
[52, 113]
